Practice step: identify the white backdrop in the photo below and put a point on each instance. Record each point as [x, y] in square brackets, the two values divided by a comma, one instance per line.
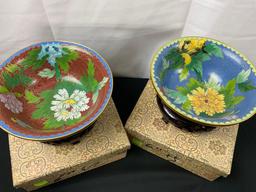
[126, 32]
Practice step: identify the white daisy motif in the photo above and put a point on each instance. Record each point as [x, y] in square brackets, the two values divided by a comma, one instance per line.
[62, 114]
[67, 107]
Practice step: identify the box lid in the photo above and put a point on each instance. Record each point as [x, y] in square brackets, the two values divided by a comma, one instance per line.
[31, 160]
[214, 148]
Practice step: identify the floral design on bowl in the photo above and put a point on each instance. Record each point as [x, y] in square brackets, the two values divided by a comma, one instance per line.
[52, 90]
[205, 81]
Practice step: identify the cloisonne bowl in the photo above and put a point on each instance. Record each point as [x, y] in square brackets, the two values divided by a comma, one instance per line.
[205, 81]
[52, 90]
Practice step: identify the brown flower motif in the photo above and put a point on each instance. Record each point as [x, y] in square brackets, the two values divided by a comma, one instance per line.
[217, 147]
[160, 124]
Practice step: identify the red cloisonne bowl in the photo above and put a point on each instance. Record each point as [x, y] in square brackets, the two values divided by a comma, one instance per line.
[51, 90]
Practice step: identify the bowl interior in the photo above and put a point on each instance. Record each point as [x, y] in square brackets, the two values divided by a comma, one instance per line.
[53, 89]
[205, 81]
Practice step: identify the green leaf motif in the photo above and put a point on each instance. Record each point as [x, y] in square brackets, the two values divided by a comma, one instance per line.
[246, 86]
[184, 74]
[187, 106]
[12, 81]
[102, 83]
[11, 68]
[30, 97]
[178, 97]
[197, 62]
[177, 62]
[69, 86]
[32, 60]
[99, 87]
[3, 89]
[91, 69]
[182, 90]
[64, 60]
[46, 73]
[230, 87]
[191, 85]
[232, 101]
[165, 64]
[9, 81]
[43, 108]
[213, 49]
[201, 56]
[95, 96]
[173, 60]
[243, 76]
[88, 79]
[52, 123]
[228, 92]
[163, 73]
[171, 54]
[213, 83]
[43, 111]
[237, 100]
[71, 122]
[57, 72]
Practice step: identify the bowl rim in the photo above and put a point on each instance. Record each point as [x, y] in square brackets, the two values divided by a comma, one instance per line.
[180, 111]
[77, 129]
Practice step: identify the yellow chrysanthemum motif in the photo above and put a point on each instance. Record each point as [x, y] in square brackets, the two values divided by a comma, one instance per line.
[192, 46]
[207, 101]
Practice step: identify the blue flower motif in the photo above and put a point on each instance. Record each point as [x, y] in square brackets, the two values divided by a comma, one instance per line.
[53, 51]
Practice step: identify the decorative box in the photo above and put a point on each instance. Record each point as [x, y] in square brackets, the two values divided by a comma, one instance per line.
[36, 164]
[207, 154]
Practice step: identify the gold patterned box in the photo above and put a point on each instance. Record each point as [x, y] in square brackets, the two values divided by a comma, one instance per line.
[36, 164]
[207, 154]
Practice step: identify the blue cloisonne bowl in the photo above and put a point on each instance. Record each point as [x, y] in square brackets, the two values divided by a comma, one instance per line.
[205, 81]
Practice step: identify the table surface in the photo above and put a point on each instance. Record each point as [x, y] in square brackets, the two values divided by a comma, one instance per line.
[142, 171]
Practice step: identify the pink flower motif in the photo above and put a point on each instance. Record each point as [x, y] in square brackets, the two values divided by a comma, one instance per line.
[11, 102]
